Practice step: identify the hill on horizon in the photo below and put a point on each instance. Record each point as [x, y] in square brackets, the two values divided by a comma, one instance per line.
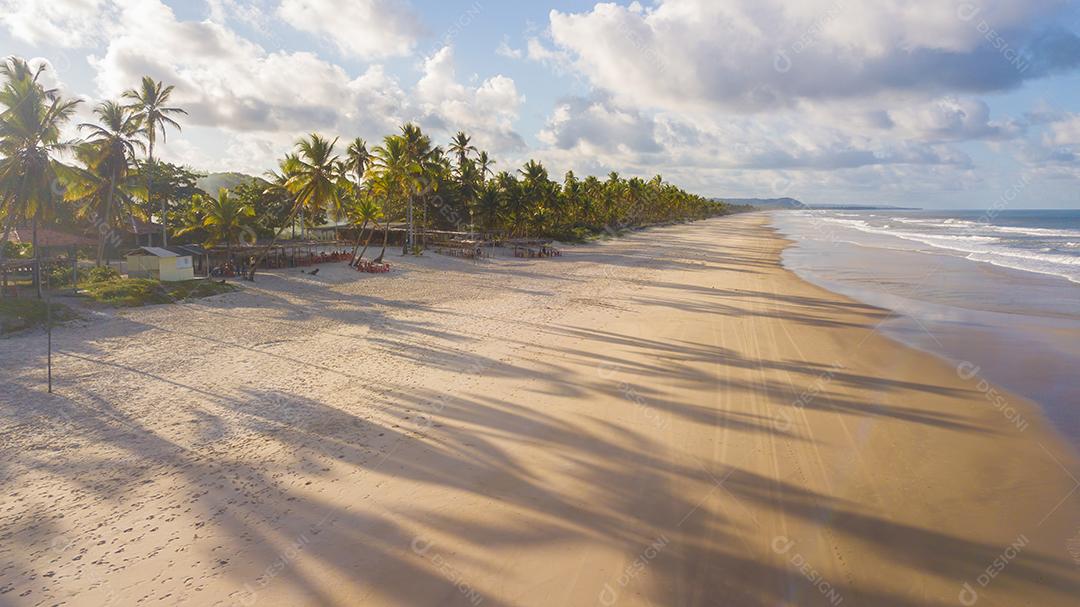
[213, 182]
[772, 203]
[792, 203]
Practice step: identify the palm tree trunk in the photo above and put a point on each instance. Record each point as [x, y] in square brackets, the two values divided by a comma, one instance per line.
[37, 253]
[149, 192]
[104, 228]
[266, 251]
[357, 247]
[385, 240]
[409, 231]
[367, 242]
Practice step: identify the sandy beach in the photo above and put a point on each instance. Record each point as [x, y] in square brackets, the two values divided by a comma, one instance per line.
[669, 418]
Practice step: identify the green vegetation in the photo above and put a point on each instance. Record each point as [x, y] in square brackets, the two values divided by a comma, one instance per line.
[101, 274]
[17, 251]
[22, 314]
[61, 276]
[30, 141]
[224, 219]
[406, 178]
[135, 292]
[109, 156]
[153, 117]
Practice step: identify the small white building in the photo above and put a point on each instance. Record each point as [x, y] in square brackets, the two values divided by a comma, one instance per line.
[160, 264]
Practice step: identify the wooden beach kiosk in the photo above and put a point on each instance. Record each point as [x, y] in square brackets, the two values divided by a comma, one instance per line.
[160, 264]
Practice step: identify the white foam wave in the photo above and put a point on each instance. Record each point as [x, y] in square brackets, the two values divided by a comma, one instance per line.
[1037, 231]
[982, 249]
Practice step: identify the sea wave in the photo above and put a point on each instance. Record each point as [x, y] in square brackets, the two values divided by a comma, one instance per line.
[986, 249]
[1037, 231]
[965, 224]
[864, 226]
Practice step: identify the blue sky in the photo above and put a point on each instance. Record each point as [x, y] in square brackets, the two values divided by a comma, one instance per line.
[941, 103]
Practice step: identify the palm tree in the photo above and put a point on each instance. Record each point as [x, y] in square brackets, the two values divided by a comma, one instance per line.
[484, 164]
[225, 219]
[424, 162]
[287, 167]
[110, 153]
[30, 138]
[392, 172]
[535, 189]
[359, 159]
[488, 208]
[461, 146]
[509, 199]
[364, 211]
[315, 182]
[148, 102]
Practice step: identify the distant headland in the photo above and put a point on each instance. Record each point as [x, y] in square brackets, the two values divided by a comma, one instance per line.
[791, 203]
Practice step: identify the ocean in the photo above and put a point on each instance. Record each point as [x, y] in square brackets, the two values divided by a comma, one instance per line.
[995, 293]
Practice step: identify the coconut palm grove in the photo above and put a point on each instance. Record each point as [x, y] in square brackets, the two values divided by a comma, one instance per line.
[108, 178]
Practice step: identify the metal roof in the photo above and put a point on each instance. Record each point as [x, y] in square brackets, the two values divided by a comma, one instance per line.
[188, 249]
[156, 252]
[49, 237]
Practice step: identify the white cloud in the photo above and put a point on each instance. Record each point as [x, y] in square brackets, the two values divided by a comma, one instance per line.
[505, 50]
[1065, 132]
[64, 23]
[366, 29]
[756, 55]
[252, 13]
[488, 110]
[227, 81]
[762, 155]
[246, 112]
[953, 119]
[594, 127]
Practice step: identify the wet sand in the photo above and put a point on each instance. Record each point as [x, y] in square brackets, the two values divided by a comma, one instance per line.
[666, 419]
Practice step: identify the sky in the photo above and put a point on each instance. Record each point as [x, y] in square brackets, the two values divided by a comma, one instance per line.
[931, 103]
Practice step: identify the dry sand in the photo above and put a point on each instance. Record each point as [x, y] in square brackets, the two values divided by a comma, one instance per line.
[666, 419]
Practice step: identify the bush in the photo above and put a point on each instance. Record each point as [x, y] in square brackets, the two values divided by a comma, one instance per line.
[22, 314]
[134, 292]
[576, 234]
[128, 292]
[17, 251]
[60, 276]
[102, 274]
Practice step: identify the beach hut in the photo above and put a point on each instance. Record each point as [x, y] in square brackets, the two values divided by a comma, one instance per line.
[199, 256]
[160, 264]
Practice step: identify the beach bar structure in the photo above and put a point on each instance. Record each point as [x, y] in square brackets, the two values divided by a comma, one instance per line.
[52, 241]
[160, 264]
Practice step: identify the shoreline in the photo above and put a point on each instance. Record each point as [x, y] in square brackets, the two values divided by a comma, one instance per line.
[671, 417]
[960, 328]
